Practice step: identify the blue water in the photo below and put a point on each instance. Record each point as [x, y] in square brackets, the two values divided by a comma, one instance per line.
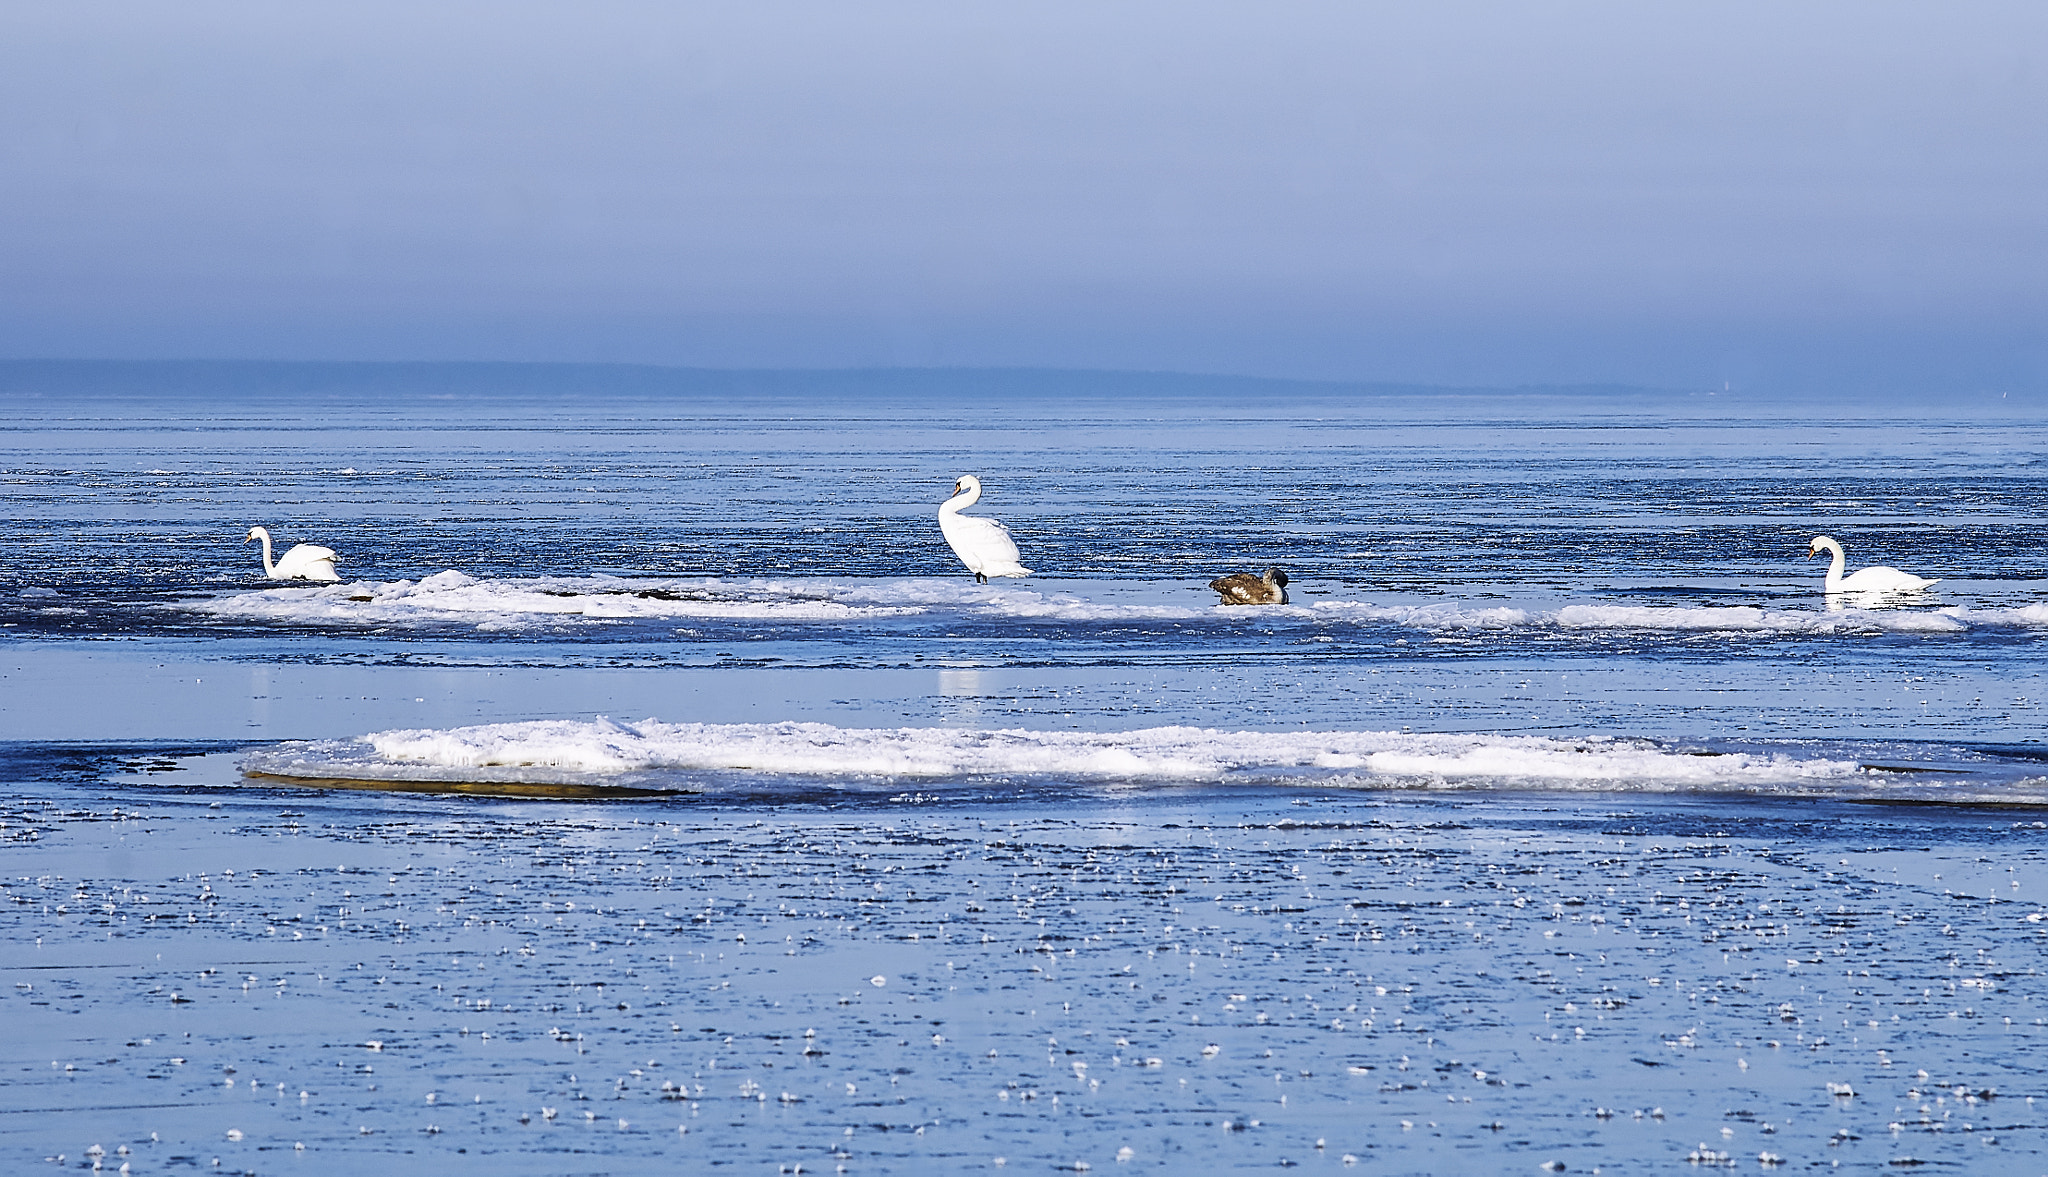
[1558, 784]
[1605, 563]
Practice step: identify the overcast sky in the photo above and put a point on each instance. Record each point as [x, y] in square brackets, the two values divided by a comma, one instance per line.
[1668, 193]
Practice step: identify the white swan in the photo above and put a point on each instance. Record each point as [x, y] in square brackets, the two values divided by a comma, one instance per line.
[984, 545]
[302, 562]
[1867, 580]
[1246, 589]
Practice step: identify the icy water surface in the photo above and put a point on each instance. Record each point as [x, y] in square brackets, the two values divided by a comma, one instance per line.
[1558, 787]
[1570, 565]
[1198, 981]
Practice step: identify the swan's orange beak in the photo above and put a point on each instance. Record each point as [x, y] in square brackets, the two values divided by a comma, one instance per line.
[1812, 552]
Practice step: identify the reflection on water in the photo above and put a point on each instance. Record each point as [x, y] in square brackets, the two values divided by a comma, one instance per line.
[961, 692]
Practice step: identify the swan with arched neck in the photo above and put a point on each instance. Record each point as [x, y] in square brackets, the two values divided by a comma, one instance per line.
[982, 544]
[301, 562]
[1875, 580]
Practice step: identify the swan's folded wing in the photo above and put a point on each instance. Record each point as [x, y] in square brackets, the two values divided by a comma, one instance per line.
[1881, 579]
[988, 538]
[307, 562]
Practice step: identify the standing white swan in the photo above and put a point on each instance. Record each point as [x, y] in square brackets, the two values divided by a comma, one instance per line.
[1867, 580]
[302, 562]
[984, 545]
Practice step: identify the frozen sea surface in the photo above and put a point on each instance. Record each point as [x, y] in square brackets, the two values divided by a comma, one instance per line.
[1180, 980]
[1559, 818]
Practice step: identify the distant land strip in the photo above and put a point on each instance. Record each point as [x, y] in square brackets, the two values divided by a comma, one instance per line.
[59, 377]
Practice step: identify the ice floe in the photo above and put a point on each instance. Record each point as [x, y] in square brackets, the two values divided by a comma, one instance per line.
[682, 754]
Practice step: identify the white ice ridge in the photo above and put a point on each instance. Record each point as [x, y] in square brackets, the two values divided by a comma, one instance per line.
[1680, 618]
[601, 747]
[514, 603]
[455, 596]
[511, 603]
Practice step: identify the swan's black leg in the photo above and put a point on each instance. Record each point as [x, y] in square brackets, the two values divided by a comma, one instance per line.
[979, 578]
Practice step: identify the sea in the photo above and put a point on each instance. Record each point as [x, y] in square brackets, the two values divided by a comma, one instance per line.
[1558, 822]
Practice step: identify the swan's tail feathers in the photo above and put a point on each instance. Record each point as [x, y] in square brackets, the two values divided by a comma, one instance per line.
[1014, 570]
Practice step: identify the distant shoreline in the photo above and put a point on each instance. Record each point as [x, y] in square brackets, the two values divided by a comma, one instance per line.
[58, 376]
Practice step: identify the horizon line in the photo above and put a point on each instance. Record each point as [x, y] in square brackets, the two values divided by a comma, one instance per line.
[83, 362]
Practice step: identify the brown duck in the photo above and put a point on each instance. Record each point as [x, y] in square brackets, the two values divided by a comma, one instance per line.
[1246, 589]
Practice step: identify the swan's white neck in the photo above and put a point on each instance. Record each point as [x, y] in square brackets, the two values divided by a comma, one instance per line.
[1835, 562]
[269, 569]
[967, 497]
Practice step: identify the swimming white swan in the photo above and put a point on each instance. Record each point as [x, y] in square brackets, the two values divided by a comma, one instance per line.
[302, 562]
[1868, 580]
[984, 545]
[1246, 589]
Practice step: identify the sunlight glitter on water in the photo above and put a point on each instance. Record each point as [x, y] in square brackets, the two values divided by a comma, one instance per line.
[898, 987]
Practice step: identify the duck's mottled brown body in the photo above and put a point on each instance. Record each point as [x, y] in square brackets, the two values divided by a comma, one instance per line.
[1246, 589]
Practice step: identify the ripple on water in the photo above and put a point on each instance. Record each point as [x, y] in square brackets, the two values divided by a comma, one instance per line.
[896, 986]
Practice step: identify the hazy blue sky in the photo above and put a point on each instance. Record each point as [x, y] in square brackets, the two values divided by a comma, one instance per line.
[1673, 193]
